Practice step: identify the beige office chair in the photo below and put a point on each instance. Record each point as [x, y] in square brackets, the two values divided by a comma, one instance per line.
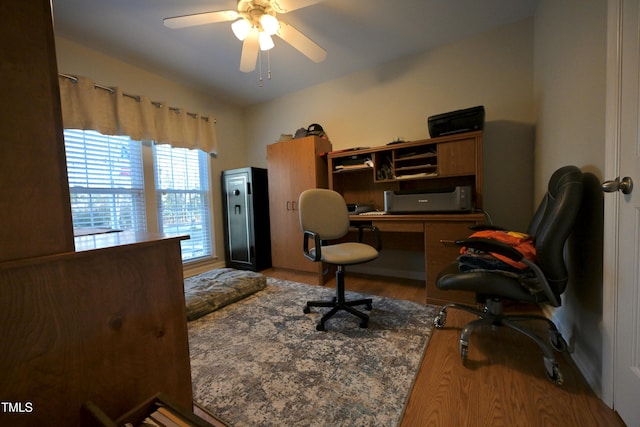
[324, 217]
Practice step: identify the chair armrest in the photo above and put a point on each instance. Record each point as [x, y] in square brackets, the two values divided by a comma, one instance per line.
[317, 256]
[376, 233]
[542, 283]
[489, 245]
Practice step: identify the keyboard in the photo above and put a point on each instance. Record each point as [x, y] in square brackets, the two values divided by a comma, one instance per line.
[373, 213]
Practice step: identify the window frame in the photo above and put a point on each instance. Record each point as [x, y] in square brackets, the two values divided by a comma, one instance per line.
[205, 196]
[151, 205]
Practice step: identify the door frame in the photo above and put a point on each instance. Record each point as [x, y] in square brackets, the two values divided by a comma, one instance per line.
[611, 201]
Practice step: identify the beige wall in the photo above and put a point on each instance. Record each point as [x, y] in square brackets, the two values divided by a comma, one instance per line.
[376, 106]
[570, 46]
[75, 59]
[570, 64]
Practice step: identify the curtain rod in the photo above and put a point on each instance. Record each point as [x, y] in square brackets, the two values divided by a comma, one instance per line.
[136, 97]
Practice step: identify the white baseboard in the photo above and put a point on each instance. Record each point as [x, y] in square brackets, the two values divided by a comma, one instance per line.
[583, 362]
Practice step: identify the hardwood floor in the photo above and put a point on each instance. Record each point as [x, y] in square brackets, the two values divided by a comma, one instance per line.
[503, 384]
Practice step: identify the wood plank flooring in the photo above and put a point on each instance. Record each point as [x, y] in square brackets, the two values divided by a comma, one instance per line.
[503, 384]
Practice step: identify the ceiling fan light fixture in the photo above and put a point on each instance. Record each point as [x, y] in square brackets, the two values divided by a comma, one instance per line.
[269, 24]
[241, 28]
[266, 42]
[254, 23]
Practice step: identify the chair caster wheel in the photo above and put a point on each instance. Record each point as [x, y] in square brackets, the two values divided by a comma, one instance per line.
[440, 320]
[306, 309]
[320, 327]
[554, 375]
[364, 324]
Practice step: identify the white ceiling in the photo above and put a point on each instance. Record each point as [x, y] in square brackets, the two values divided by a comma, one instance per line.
[357, 34]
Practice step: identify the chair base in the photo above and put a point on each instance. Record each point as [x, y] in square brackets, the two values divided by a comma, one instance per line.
[339, 303]
[492, 315]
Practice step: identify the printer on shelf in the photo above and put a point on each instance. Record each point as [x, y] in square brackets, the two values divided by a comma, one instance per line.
[457, 199]
[458, 121]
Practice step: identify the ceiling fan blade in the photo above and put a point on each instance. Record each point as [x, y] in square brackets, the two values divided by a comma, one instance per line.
[249, 56]
[304, 44]
[284, 6]
[200, 19]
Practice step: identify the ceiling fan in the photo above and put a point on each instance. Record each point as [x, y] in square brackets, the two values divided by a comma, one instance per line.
[255, 22]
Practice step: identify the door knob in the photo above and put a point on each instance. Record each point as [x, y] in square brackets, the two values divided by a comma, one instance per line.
[625, 185]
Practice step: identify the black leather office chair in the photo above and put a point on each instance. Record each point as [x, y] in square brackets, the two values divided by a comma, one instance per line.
[543, 281]
[324, 217]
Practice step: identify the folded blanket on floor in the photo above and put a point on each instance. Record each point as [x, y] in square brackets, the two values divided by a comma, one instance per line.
[215, 289]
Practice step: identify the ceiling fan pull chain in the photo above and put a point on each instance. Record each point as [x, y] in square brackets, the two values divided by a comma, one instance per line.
[260, 67]
[268, 65]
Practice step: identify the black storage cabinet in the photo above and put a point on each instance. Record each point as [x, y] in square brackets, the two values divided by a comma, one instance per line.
[245, 199]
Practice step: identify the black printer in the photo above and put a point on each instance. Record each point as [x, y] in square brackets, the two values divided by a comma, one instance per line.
[458, 121]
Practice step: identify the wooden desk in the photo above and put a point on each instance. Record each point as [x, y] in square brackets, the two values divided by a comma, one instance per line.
[436, 230]
[363, 175]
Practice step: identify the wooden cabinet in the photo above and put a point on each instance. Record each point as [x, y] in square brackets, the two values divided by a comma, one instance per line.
[293, 166]
[459, 158]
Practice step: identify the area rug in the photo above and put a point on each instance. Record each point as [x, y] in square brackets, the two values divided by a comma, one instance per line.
[261, 362]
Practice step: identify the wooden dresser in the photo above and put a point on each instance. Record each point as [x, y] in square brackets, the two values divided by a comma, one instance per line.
[98, 318]
[105, 323]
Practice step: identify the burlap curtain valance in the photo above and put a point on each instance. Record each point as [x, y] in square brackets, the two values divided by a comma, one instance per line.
[109, 111]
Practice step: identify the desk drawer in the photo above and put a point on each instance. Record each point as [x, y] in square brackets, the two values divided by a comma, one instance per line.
[439, 255]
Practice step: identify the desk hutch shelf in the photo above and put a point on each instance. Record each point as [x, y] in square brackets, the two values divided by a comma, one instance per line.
[362, 175]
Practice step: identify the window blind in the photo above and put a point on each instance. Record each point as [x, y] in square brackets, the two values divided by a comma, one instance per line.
[182, 188]
[105, 180]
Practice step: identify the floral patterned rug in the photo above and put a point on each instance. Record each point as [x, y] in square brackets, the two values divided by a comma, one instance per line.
[261, 362]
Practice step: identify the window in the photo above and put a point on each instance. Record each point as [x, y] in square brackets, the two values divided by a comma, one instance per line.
[107, 185]
[182, 188]
[105, 181]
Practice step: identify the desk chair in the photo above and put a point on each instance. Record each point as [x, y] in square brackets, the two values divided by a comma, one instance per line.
[323, 217]
[543, 281]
